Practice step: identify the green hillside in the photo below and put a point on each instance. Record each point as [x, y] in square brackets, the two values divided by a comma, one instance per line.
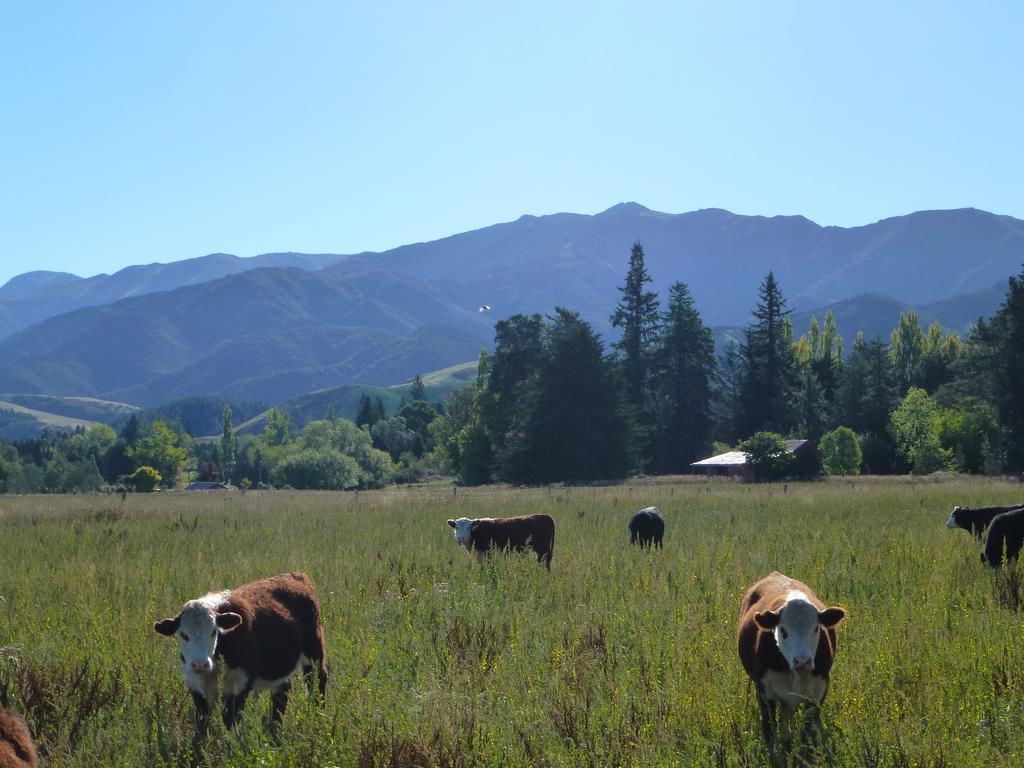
[19, 423]
[345, 399]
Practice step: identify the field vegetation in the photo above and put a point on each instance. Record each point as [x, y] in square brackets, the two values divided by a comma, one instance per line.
[617, 657]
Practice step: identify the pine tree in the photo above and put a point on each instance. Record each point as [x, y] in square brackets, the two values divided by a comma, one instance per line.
[417, 391]
[228, 443]
[637, 316]
[364, 412]
[574, 427]
[378, 410]
[769, 364]
[683, 370]
[1001, 352]
[729, 379]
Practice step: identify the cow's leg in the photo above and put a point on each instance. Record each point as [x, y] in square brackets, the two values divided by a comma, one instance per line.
[202, 712]
[316, 652]
[233, 704]
[767, 719]
[279, 702]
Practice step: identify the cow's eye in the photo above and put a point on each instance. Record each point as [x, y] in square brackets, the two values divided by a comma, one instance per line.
[785, 634]
[214, 633]
[184, 637]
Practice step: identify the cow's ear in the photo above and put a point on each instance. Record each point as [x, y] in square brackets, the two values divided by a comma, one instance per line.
[228, 622]
[451, 523]
[767, 619]
[168, 626]
[831, 616]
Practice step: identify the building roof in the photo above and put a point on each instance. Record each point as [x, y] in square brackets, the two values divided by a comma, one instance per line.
[728, 459]
[738, 458]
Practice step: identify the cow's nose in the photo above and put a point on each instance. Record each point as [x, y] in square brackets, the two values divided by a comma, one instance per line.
[202, 666]
[803, 662]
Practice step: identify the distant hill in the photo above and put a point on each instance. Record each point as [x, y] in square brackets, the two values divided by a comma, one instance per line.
[577, 261]
[345, 400]
[25, 416]
[297, 323]
[266, 334]
[35, 296]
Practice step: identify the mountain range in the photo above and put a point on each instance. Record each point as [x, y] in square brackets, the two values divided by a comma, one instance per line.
[276, 326]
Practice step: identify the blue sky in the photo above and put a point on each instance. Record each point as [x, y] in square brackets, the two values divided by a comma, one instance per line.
[141, 132]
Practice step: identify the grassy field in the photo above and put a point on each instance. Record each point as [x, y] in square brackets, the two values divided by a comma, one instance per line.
[617, 657]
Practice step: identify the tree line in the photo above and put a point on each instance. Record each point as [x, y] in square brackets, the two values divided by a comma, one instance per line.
[553, 404]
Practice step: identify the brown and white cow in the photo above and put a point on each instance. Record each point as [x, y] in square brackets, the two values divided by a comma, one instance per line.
[16, 747]
[247, 639]
[787, 643]
[502, 533]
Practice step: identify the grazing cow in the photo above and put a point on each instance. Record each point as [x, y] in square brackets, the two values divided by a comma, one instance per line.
[16, 747]
[787, 642]
[256, 636]
[486, 533]
[1005, 533]
[976, 519]
[648, 527]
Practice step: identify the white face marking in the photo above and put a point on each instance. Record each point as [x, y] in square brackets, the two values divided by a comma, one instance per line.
[798, 631]
[951, 523]
[462, 531]
[198, 634]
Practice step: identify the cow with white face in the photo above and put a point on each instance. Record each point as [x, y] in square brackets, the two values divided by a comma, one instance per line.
[249, 639]
[787, 643]
[199, 627]
[484, 534]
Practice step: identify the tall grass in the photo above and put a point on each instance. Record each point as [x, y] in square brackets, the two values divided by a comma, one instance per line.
[618, 657]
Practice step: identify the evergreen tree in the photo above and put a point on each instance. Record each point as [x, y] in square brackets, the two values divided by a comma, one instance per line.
[574, 426]
[769, 364]
[729, 394]
[518, 355]
[378, 409]
[637, 316]
[417, 391]
[364, 412]
[228, 443]
[683, 368]
[812, 407]
[130, 432]
[998, 362]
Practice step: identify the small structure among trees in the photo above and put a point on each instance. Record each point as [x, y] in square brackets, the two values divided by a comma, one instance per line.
[765, 456]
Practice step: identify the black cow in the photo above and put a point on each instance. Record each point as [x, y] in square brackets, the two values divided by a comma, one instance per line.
[976, 519]
[1005, 534]
[647, 527]
[483, 534]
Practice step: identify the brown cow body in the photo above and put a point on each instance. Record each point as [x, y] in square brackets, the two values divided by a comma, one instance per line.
[263, 632]
[16, 747]
[486, 533]
[778, 609]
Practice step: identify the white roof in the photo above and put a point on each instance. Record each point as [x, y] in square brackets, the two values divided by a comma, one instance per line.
[731, 458]
[738, 458]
